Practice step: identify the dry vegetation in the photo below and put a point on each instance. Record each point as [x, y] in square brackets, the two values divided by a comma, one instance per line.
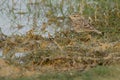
[68, 50]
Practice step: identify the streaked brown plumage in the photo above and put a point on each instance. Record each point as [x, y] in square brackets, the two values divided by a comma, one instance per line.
[80, 24]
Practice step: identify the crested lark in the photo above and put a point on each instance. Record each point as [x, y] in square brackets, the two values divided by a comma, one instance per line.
[80, 24]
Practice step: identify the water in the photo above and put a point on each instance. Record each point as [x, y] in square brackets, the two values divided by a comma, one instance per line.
[9, 20]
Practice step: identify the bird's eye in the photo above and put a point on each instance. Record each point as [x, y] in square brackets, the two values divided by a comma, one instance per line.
[74, 16]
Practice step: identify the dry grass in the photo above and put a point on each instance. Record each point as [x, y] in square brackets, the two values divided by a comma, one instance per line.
[68, 50]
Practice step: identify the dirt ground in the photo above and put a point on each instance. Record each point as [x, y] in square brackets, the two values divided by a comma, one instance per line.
[12, 71]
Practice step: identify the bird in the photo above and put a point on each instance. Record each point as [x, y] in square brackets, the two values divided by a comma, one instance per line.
[81, 24]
